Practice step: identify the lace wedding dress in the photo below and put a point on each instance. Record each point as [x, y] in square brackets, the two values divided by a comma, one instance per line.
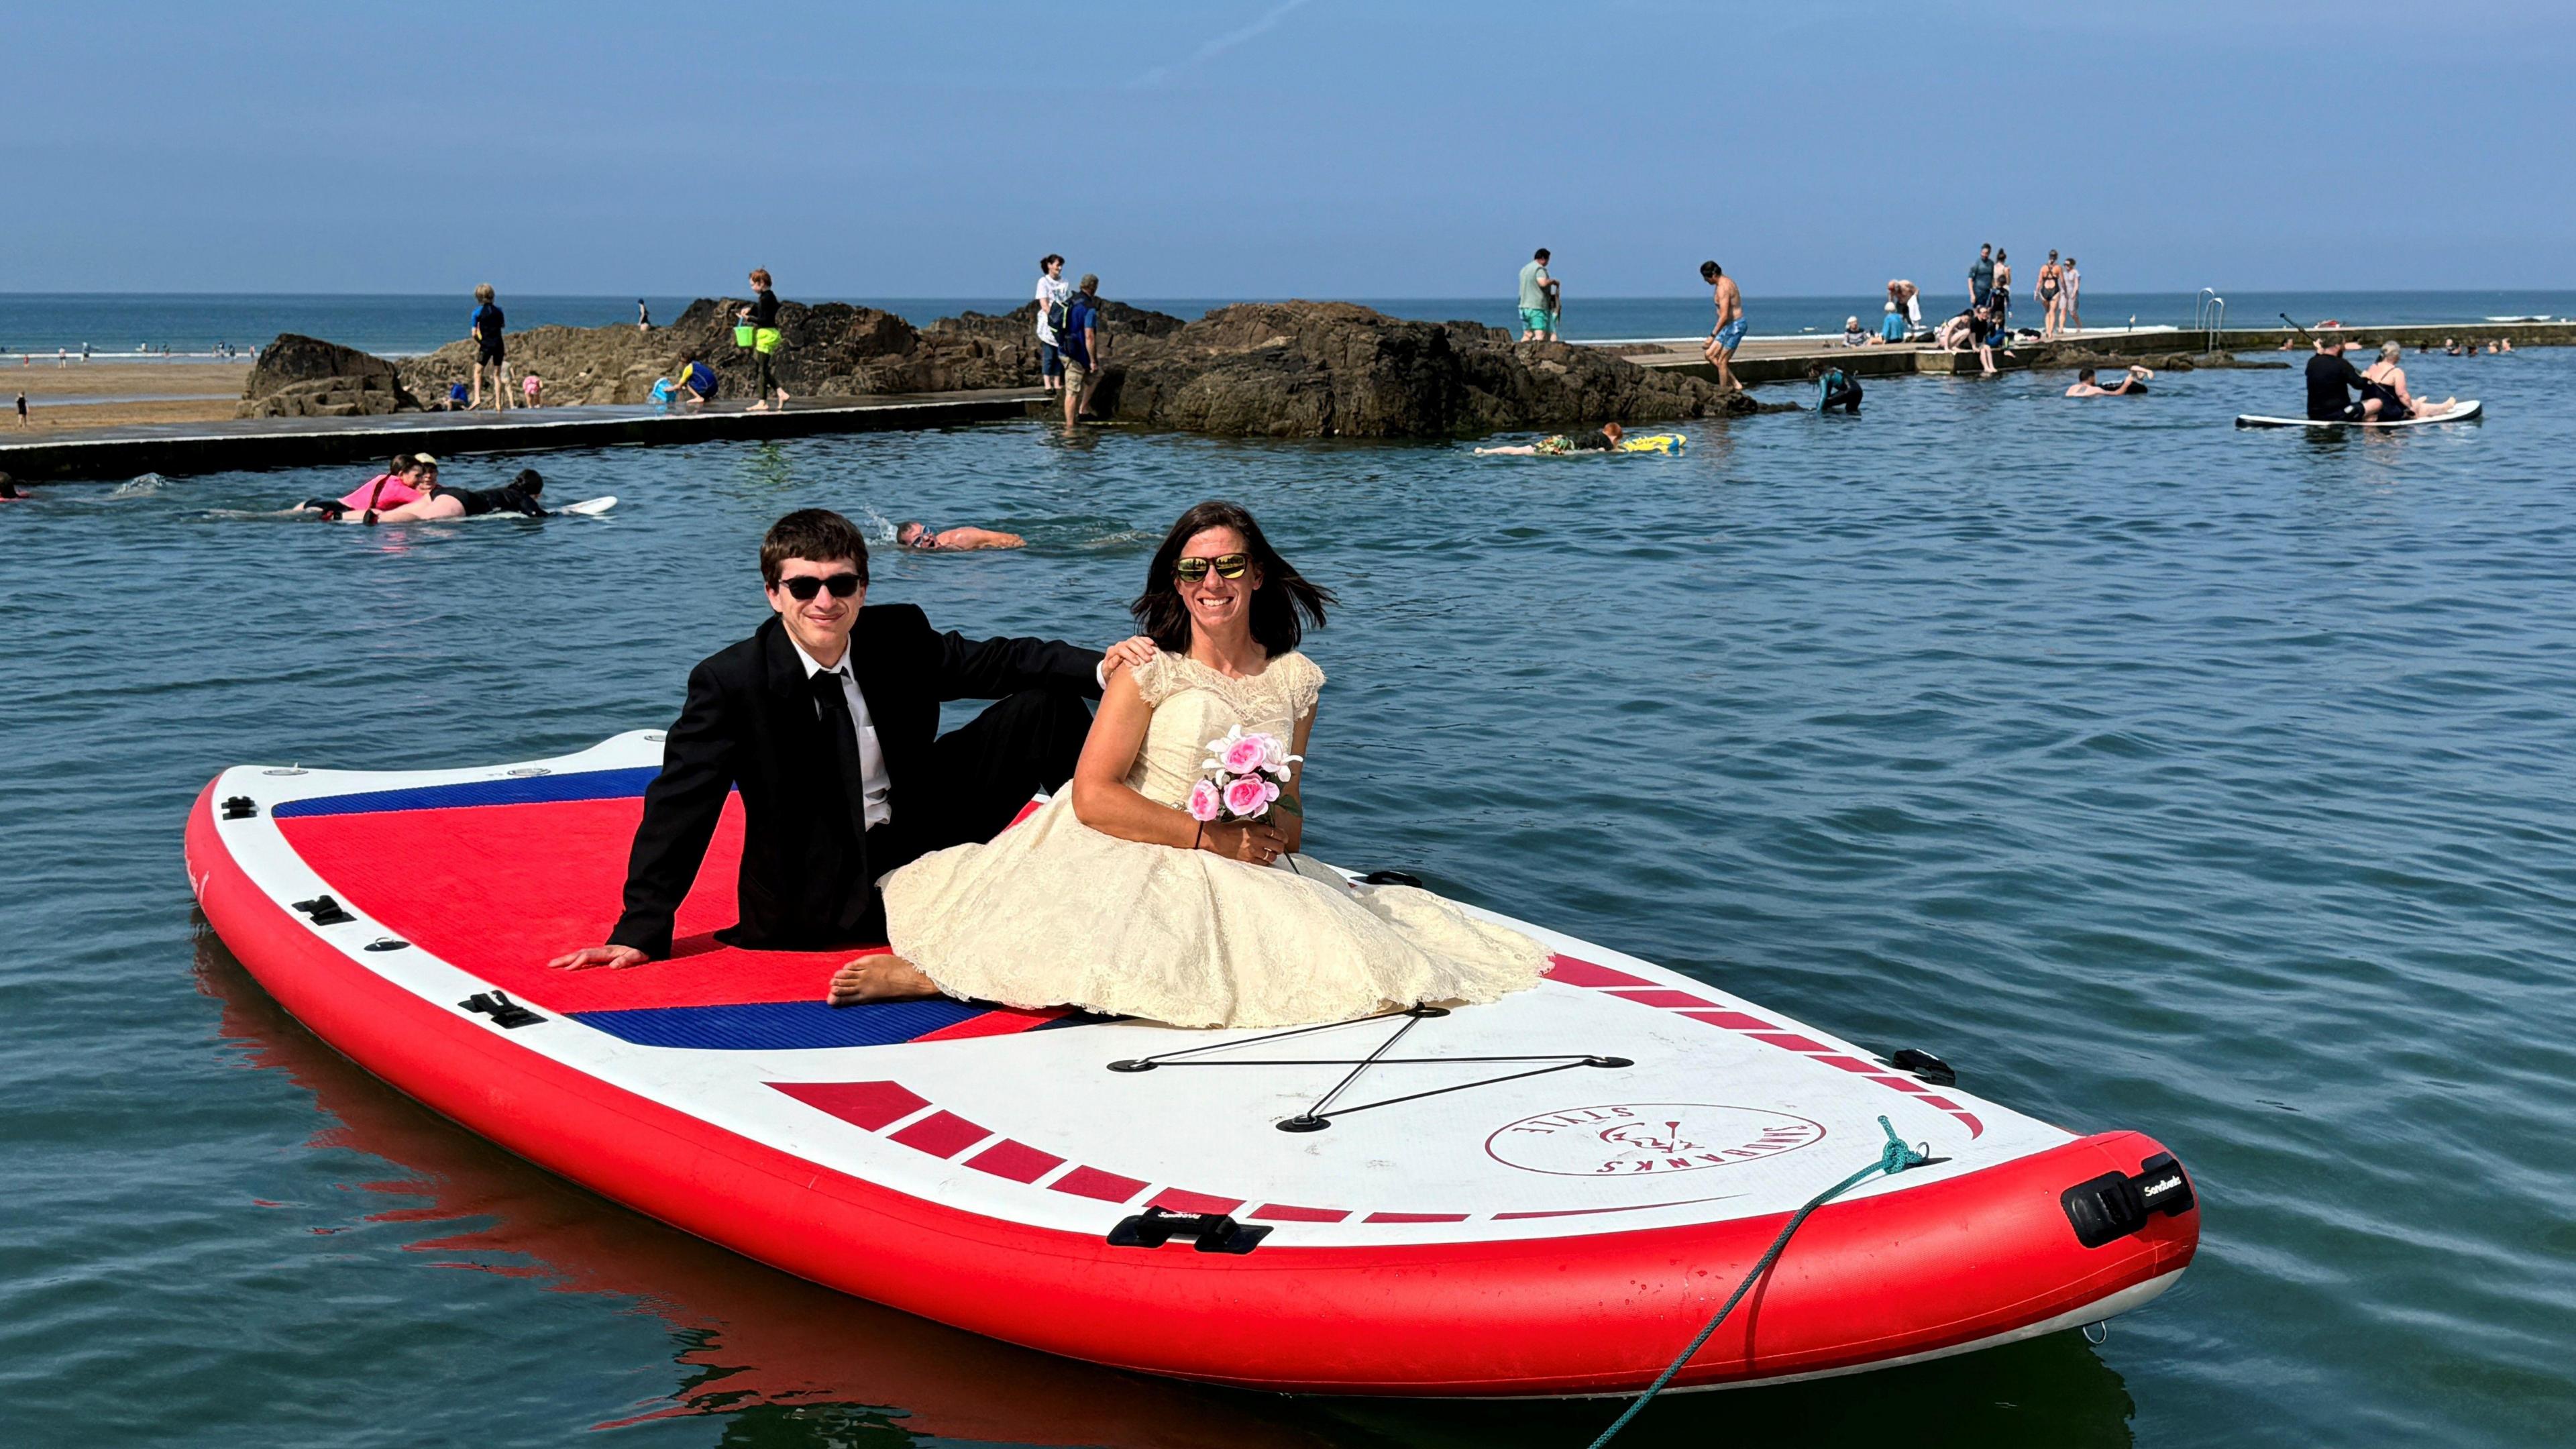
[1053, 912]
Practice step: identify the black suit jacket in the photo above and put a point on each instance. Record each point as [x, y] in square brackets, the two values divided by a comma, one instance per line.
[750, 724]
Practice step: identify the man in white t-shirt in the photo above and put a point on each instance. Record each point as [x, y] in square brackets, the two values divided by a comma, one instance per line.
[1053, 291]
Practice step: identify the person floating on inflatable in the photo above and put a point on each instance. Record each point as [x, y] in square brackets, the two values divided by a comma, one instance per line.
[1610, 439]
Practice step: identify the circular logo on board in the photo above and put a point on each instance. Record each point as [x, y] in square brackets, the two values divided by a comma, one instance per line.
[1647, 1139]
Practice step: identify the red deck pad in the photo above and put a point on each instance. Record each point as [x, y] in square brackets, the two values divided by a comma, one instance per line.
[498, 890]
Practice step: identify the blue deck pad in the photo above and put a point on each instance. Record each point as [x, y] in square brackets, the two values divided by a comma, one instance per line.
[515, 790]
[790, 1025]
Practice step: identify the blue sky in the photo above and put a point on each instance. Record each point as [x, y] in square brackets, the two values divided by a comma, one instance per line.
[1324, 148]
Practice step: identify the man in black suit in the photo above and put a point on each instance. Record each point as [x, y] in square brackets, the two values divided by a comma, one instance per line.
[826, 719]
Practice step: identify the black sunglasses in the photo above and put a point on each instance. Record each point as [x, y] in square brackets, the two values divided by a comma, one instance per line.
[1227, 566]
[805, 586]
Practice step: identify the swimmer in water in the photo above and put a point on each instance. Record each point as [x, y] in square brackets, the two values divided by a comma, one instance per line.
[9, 491]
[1604, 441]
[518, 496]
[2130, 386]
[920, 537]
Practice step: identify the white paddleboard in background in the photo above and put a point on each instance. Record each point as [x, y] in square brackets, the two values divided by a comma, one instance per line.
[2461, 414]
[590, 507]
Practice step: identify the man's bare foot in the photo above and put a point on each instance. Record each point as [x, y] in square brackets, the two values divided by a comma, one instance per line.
[758, 407]
[881, 977]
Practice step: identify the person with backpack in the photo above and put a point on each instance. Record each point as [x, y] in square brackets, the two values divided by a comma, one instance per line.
[1085, 348]
[1054, 293]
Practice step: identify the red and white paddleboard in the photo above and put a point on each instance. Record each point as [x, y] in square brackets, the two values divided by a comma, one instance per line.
[1543, 1196]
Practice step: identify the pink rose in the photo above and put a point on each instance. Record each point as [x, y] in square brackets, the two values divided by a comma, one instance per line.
[1205, 801]
[1243, 756]
[1248, 797]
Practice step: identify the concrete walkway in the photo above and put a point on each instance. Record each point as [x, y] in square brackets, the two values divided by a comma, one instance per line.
[175, 449]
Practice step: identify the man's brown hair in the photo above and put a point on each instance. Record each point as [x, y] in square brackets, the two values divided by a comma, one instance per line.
[817, 535]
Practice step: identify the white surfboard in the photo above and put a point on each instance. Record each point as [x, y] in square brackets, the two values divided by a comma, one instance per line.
[590, 507]
[2461, 414]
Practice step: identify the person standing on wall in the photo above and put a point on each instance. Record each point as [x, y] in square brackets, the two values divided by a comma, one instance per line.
[1538, 300]
[1981, 277]
[1053, 293]
[485, 333]
[1728, 331]
[1084, 342]
[756, 327]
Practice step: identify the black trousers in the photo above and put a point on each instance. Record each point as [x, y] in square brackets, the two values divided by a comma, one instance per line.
[1847, 397]
[984, 771]
[765, 386]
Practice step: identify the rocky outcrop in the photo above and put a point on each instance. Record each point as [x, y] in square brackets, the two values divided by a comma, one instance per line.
[1266, 369]
[305, 377]
[1332, 369]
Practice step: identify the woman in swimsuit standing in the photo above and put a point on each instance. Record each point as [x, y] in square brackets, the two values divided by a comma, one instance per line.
[2048, 287]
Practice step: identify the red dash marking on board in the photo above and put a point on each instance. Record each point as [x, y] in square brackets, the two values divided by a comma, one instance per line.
[1015, 1160]
[869, 1104]
[1182, 1200]
[1092, 1182]
[1002, 1022]
[942, 1134]
[1975, 1127]
[1904, 1084]
[1944, 1103]
[1280, 1212]
[1583, 973]
[1590, 1212]
[1658, 997]
[1850, 1064]
[1732, 1020]
[1415, 1218]
[1789, 1039]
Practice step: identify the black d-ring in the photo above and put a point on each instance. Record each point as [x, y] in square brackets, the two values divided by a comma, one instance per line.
[1131, 1066]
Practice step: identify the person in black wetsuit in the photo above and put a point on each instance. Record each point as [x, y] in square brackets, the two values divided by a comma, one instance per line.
[760, 319]
[2331, 378]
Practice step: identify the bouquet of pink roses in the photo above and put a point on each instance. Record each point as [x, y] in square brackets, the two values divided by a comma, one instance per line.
[1248, 771]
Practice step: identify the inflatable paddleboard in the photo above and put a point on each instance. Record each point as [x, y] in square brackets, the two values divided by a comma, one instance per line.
[2461, 414]
[1653, 443]
[1547, 1195]
[590, 507]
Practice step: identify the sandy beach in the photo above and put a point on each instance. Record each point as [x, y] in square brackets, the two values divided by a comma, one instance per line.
[104, 394]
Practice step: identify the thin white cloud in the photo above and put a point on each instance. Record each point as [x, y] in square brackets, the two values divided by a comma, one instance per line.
[1218, 46]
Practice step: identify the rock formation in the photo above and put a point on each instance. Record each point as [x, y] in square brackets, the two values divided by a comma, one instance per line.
[1266, 369]
[306, 377]
[1331, 369]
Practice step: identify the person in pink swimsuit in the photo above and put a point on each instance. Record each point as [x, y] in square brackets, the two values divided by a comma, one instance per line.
[407, 480]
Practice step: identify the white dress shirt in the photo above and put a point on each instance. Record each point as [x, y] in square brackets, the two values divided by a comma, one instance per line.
[872, 774]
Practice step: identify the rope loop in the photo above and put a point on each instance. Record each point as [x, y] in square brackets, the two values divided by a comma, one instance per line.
[1894, 1156]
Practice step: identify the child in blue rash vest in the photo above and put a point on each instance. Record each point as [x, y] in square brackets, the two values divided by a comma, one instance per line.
[1835, 388]
[484, 331]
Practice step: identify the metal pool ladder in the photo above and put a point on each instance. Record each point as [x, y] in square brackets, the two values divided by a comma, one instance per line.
[2209, 318]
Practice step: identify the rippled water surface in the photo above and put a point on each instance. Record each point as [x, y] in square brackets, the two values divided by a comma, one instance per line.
[2154, 773]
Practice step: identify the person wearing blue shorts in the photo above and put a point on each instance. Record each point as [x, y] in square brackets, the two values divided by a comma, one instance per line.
[1538, 300]
[1729, 331]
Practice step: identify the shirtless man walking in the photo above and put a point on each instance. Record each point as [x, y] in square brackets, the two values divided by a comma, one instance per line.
[1729, 330]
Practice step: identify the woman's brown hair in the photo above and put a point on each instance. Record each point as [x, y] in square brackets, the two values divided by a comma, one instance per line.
[1282, 608]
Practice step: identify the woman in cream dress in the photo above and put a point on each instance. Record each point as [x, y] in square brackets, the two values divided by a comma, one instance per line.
[1112, 898]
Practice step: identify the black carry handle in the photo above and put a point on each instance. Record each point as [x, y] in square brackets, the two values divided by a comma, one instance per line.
[1214, 1232]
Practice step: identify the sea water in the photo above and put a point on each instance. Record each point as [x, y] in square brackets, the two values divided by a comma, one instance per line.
[2155, 774]
[115, 325]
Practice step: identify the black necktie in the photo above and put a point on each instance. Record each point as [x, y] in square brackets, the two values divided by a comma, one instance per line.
[842, 746]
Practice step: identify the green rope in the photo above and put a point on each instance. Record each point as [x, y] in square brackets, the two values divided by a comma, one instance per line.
[1893, 1158]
